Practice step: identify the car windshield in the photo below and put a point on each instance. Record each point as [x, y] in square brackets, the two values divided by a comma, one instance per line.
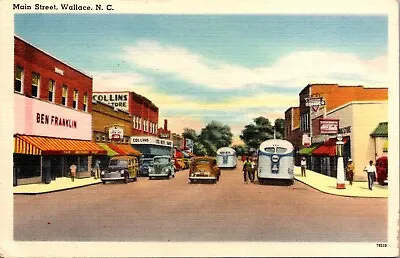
[202, 162]
[147, 162]
[119, 163]
[161, 160]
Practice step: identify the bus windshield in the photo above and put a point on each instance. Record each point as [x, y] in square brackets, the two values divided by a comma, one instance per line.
[280, 150]
[270, 149]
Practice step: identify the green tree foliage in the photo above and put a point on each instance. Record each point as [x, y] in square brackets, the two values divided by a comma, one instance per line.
[190, 133]
[199, 149]
[261, 130]
[214, 136]
[240, 149]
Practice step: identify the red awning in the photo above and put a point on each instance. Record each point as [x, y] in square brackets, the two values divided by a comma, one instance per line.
[178, 154]
[38, 145]
[125, 150]
[328, 148]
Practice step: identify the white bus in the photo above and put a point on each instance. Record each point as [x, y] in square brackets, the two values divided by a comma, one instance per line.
[226, 157]
[275, 160]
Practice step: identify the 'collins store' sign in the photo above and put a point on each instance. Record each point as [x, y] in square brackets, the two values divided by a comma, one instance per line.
[116, 99]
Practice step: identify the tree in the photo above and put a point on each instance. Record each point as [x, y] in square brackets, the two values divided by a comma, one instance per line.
[190, 133]
[240, 149]
[199, 149]
[261, 130]
[214, 136]
[280, 128]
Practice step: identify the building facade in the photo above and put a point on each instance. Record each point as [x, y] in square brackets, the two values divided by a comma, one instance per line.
[144, 113]
[54, 125]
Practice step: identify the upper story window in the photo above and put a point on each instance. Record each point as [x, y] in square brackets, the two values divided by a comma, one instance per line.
[64, 95]
[97, 137]
[75, 100]
[140, 123]
[35, 84]
[85, 102]
[52, 85]
[18, 80]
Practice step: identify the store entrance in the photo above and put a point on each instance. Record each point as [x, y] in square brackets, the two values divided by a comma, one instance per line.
[68, 161]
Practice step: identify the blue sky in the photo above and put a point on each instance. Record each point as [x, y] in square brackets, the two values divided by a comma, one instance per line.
[230, 68]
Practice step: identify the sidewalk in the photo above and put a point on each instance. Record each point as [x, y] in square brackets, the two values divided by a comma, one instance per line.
[60, 184]
[327, 184]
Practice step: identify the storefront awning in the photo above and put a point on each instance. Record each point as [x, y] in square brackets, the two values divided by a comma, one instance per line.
[110, 152]
[37, 145]
[381, 130]
[178, 154]
[308, 150]
[125, 149]
[328, 148]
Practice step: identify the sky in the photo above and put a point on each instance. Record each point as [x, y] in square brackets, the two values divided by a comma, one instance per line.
[229, 68]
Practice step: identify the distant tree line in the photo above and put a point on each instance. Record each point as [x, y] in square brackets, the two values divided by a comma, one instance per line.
[216, 135]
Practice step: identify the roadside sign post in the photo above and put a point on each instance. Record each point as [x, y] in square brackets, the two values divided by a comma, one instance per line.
[340, 178]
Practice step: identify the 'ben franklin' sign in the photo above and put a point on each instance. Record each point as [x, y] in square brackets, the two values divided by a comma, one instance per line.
[116, 99]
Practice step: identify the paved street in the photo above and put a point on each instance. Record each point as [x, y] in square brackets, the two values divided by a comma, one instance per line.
[174, 210]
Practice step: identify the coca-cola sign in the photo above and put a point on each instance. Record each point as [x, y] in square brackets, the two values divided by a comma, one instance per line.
[329, 126]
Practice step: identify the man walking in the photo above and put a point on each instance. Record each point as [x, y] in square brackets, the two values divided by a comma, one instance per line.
[97, 169]
[73, 171]
[246, 168]
[350, 171]
[303, 165]
[371, 173]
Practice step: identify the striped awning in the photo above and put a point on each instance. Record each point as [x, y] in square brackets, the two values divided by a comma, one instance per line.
[38, 145]
[129, 150]
[110, 152]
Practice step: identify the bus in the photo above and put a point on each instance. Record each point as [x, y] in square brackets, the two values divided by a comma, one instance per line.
[226, 158]
[275, 161]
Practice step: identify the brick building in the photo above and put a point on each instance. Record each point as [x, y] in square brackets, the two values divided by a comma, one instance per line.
[54, 125]
[328, 109]
[144, 113]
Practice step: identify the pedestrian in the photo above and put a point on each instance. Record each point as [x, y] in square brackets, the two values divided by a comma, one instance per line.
[73, 171]
[371, 173]
[350, 171]
[252, 171]
[303, 165]
[97, 169]
[246, 167]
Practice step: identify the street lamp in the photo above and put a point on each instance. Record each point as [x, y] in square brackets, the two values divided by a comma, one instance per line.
[340, 181]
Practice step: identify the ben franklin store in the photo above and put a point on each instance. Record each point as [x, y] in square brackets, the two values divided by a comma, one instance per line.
[49, 139]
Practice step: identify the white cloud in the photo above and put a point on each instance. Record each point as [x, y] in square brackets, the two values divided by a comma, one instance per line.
[296, 69]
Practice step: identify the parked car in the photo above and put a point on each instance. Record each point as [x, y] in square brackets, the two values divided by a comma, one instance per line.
[204, 168]
[121, 168]
[382, 170]
[163, 167]
[177, 165]
[186, 161]
[145, 165]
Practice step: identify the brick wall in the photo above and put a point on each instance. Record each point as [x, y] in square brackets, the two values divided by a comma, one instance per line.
[31, 59]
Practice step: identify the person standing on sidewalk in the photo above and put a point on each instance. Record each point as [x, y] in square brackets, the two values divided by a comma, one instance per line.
[252, 171]
[97, 169]
[303, 166]
[73, 171]
[246, 167]
[371, 173]
[350, 171]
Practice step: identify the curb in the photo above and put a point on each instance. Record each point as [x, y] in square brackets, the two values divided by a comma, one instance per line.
[58, 190]
[343, 195]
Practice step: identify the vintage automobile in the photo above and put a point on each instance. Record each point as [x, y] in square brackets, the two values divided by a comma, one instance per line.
[145, 165]
[204, 168]
[382, 170]
[163, 167]
[186, 161]
[177, 165]
[121, 168]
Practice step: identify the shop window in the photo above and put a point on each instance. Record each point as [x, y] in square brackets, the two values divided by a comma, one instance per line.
[85, 102]
[64, 95]
[97, 138]
[103, 138]
[75, 100]
[51, 90]
[83, 164]
[35, 84]
[18, 80]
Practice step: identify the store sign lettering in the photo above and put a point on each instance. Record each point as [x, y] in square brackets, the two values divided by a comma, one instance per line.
[115, 99]
[140, 140]
[328, 126]
[54, 120]
[345, 130]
